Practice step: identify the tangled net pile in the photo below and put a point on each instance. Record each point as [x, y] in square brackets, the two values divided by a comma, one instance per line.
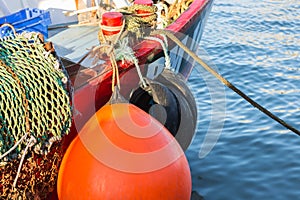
[35, 114]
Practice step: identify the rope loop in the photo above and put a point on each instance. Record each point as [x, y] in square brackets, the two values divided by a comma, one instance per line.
[10, 26]
[30, 142]
[164, 45]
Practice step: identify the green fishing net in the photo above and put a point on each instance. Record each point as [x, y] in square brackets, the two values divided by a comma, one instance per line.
[35, 114]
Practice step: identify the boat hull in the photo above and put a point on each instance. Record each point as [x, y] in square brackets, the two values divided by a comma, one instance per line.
[92, 90]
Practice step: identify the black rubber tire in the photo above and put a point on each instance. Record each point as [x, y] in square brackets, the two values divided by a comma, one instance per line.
[158, 95]
[187, 123]
[177, 82]
[187, 104]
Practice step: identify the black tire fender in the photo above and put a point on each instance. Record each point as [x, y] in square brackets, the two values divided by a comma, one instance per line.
[160, 102]
[187, 105]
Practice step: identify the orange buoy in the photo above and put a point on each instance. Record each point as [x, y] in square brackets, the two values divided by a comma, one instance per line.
[124, 153]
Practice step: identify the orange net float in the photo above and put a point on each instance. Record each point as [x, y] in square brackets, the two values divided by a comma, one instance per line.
[124, 153]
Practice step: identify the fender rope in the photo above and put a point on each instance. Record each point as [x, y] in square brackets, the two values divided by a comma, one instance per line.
[164, 45]
[117, 48]
[225, 81]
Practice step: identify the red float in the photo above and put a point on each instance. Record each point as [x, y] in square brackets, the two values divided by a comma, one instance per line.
[124, 153]
[111, 20]
[145, 3]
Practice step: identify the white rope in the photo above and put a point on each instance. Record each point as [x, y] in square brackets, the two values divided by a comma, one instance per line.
[115, 72]
[142, 80]
[164, 45]
[30, 143]
[124, 52]
[168, 60]
[10, 26]
[15, 146]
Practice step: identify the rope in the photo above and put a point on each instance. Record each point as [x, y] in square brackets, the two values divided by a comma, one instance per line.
[149, 9]
[115, 73]
[110, 52]
[118, 50]
[224, 81]
[15, 146]
[30, 143]
[112, 38]
[10, 26]
[142, 80]
[164, 45]
[137, 22]
[124, 52]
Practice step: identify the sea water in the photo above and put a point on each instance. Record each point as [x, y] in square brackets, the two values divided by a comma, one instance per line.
[239, 152]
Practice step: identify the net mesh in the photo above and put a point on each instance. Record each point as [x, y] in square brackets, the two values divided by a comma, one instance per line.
[35, 102]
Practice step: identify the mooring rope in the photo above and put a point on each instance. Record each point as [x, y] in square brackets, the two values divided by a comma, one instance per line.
[225, 81]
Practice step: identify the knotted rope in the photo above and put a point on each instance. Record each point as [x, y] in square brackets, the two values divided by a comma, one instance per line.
[139, 18]
[118, 49]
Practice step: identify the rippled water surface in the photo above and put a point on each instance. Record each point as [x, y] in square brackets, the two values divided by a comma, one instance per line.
[239, 152]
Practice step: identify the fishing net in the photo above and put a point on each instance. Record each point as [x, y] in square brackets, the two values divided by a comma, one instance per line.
[35, 114]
